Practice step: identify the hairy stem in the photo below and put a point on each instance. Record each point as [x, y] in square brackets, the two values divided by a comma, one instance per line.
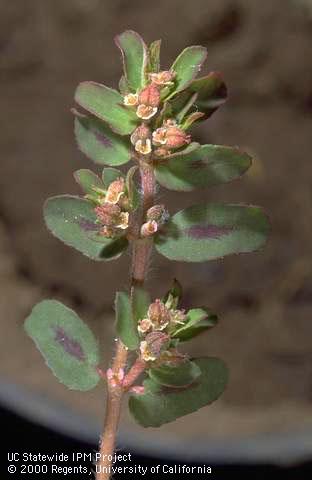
[140, 258]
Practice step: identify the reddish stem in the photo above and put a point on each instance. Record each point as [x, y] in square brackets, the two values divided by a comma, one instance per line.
[141, 255]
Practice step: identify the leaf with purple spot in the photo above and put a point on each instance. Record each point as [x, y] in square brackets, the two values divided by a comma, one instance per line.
[67, 344]
[73, 221]
[207, 166]
[99, 143]
[207, 232]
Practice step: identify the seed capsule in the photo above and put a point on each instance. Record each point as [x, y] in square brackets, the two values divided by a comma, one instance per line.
[159, 315]
[149, 96]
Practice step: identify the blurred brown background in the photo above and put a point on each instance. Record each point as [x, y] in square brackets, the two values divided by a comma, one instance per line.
[264, 299]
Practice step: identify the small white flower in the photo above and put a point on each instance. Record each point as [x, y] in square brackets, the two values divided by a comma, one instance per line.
[146, 112]
[143, 146]
[131, 100]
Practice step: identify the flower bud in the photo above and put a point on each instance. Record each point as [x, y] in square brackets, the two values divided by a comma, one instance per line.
[161, 152]
[159, 315]
[176, 137]
[153, 345]
[144, 325]
[149, 228]
[157, 213]
[131, 100]
[111, 216]
[142, 132]
[149, 96]
[108, 213]
[162, 78]
[115, 191]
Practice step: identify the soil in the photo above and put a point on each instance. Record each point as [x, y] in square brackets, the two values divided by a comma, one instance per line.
[264, 299]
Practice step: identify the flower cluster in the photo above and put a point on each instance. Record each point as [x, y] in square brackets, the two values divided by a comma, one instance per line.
[111, 210]
[161, 320]
[147, 103]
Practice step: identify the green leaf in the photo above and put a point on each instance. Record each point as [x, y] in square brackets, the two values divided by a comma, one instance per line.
[180, 375]
[72, 219]
[141, 300]
[67, 344]
[197, 321]
[133, 193]
[207, 232]
[109, 175]
[154, 56]
[134, 55]
[211, 93]
[123, 86]
[106, 104]
[97, 141]
[159, 406]
[126, 326]
[88, 180]
[174, 294]
[188, 149]
[208, 165]
[187, 65]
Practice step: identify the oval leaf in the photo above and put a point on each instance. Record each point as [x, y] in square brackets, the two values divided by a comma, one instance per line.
[211, 93]
[180, 375]
[66, 343]
[88, 180]
[106, 104]
[72, 220]
[134, 55]
[187, 65]
[159, 406]
[126, 326]
[109, 175]
[141, 300]
[197, 321]
[154, 56]
[207, 232]
[97, 141]
[208, 165]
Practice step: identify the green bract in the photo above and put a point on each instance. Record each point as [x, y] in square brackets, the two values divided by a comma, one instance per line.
[72, 220]
[207, 232]
[178, 376]
[187, 66]
[134, 55]
[197, 321]
[162, 405]
[88, 180]
[66, 343]
[208, 165]
[140, 303]
[126, 325]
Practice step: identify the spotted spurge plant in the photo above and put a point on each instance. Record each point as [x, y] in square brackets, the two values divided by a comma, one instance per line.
[148, 122]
